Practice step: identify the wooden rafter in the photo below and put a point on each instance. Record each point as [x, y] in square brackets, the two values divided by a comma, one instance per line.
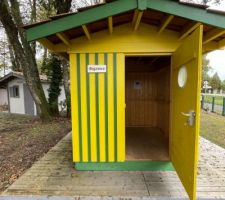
[222, 43]
[110, 24]
[165, 23]
[187, 30]
[85, 29]
[213, 34]
[45, 42]
[64, 38]
[137, 19]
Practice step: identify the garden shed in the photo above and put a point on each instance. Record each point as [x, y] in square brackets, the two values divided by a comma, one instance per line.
[135, 68]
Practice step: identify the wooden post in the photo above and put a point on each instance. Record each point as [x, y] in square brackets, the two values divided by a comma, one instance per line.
[213, 103]
[202, 102]
[223, 113]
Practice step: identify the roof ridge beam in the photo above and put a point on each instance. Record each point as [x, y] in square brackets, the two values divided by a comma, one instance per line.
[187, 30]
[142, 5]
[213, 34]
[165, 23]
[62, 36]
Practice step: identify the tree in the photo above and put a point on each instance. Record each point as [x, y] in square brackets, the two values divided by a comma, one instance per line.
[215, 82]
[205, 69]
[223, 85]
[54, 72]
[11, 20]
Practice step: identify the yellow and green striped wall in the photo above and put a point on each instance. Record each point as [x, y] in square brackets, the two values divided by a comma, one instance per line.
[98, 107]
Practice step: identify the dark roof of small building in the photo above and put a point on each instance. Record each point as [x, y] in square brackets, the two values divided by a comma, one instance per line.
[12, 75]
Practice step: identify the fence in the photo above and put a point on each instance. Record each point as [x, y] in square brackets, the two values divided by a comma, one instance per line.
[214, 103]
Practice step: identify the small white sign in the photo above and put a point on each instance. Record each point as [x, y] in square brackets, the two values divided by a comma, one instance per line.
[96, 68]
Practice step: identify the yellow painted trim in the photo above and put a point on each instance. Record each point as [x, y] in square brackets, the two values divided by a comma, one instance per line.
[101, 88]
[210, 46]
[138, 20]
[149, 54]
[121, 107]
[64, 38]
[46, 43]
[213, 34]
[165, 23]
[191, 27]
[74, 108]
[125, 40]
[222, 44]
[83, 83]
[93, 111]
[110, 108]
[110, 24]
[86, 31]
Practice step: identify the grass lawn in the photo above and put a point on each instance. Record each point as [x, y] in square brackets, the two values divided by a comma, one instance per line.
[218, 100]
[213, 128]
[23, 140]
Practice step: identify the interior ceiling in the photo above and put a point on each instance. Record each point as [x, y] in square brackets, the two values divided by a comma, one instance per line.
[146, 63]
[150, 17]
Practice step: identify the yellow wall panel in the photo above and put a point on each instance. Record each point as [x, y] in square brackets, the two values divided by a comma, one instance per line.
[101, 88]
[121, 106]
[110, 108]
[93, 112]
[83, 82]
[74, 108]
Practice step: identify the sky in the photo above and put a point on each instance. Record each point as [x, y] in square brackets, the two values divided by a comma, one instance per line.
[217, 58]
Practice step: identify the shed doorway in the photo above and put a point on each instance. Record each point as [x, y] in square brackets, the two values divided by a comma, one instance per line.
[147, 81]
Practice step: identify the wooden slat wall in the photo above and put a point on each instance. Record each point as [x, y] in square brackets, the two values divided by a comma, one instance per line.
[98, 129]
[148, 106]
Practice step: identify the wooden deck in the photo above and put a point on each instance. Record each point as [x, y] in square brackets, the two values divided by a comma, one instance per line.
[54, 175]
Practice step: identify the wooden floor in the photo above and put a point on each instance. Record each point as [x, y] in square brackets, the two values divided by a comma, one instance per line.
[146, 143]
[54, 175]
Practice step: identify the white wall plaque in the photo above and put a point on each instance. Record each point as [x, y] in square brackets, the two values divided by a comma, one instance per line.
[96, 68]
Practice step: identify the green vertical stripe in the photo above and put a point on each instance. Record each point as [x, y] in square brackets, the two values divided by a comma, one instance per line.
[79, 107]
[106, 109]
[97, 111]
[115, 104]
[88, 108]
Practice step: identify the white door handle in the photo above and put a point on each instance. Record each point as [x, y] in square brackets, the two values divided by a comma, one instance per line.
[191, 117]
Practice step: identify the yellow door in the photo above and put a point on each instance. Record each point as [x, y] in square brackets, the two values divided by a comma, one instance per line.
[185, 109]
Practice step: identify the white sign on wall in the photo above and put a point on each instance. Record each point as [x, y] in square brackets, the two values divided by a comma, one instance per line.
[96, 68]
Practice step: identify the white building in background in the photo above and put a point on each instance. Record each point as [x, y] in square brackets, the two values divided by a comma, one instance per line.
[15, 93]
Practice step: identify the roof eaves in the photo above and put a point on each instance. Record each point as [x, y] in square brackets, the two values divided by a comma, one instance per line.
[80, 18]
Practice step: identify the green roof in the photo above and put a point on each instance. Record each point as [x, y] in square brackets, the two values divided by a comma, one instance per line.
[173, 7]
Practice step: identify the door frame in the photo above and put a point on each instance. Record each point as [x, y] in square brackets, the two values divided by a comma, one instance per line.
[150, 54]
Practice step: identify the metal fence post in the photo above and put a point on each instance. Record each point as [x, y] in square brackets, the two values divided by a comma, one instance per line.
[213, 102]
[223, 113]
[202, 102]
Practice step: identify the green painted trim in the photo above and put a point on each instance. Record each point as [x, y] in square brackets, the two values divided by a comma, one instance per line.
[126, 166]
[106, 109]
[178, 9]
[88, 107]
[115, 104]
[142, 4]
[97, 110]
[79, 107]
[76, 20]
[120, 6]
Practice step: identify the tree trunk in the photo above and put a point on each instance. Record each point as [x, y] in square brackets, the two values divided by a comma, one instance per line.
[66, 85]
[26, 57]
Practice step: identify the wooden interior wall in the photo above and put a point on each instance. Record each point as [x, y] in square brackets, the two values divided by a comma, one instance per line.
[148, 104]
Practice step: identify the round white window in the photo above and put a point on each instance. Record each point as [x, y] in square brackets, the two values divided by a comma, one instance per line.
[182, 76]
